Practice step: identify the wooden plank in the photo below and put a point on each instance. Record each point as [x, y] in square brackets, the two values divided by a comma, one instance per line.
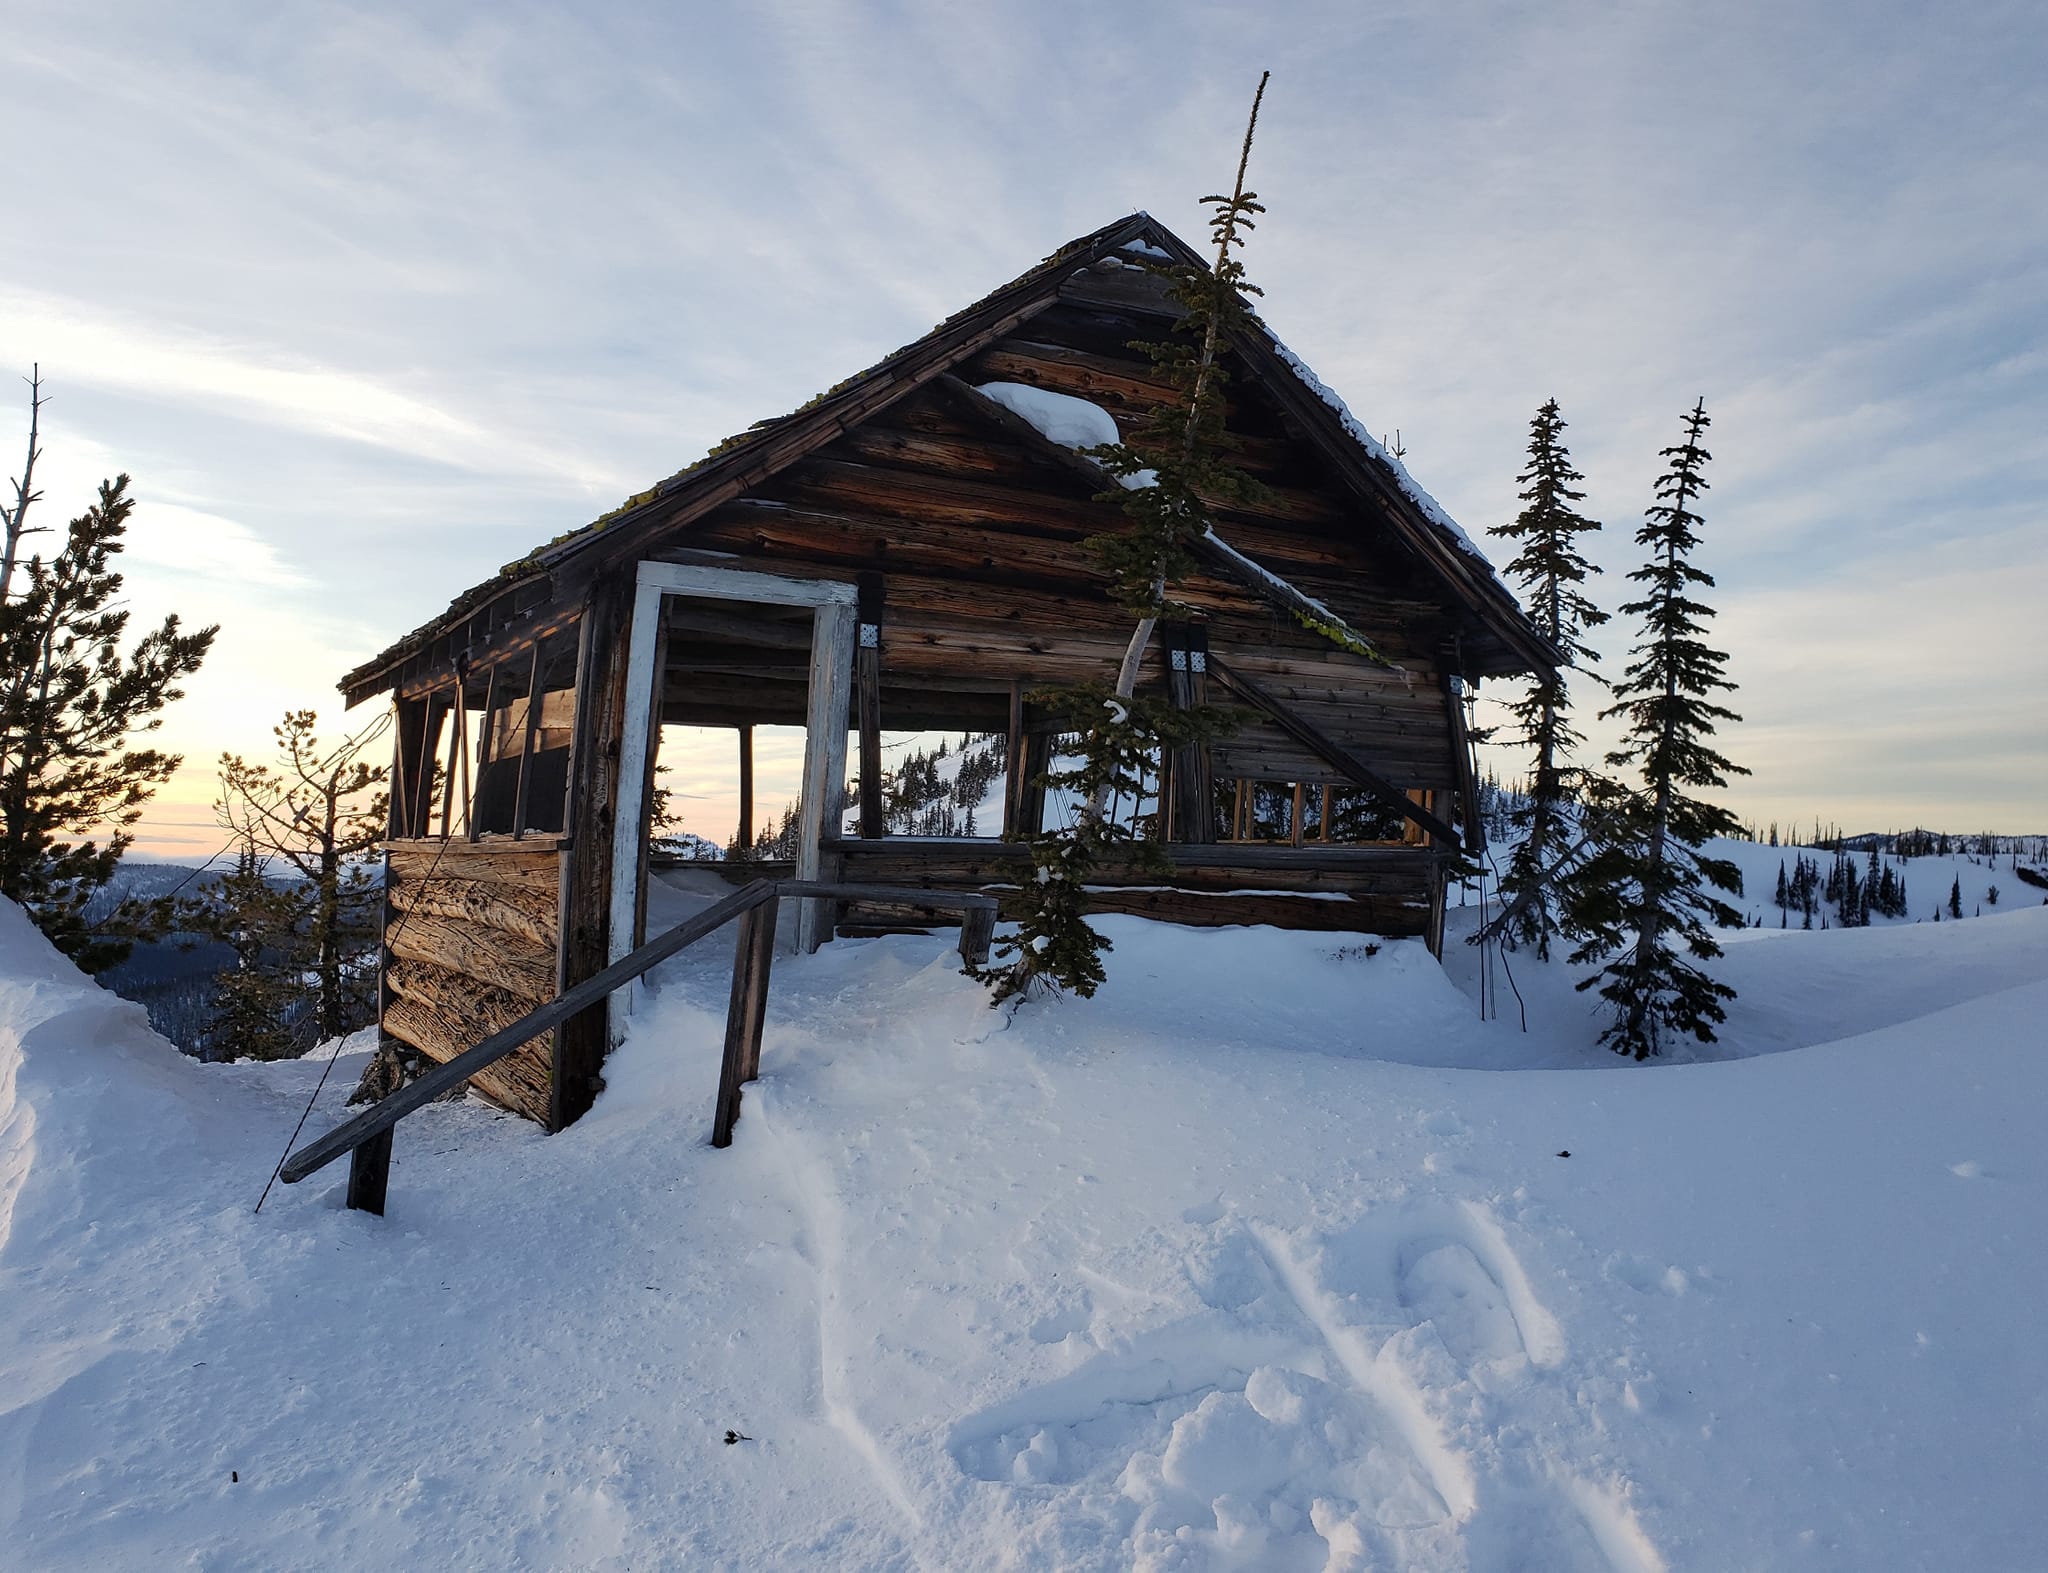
[832, 646]
[536, 705]
[369, 1174]
[746, 1012]
[495, 860]
[483, 757]
[1194, 910]
[1013, 764]
[639, 728]
[1313, 739]
[495, 956]
[1465, 784]
[593, 810]
[518, 1081]
[574, 1002]
[746, 828]
[977, 932]
[529, 911]
[868, 701]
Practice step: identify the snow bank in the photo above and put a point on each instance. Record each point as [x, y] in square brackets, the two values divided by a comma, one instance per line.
[1192, 1276]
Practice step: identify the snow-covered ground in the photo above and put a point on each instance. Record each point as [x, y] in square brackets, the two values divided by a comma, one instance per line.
[1270, 1257]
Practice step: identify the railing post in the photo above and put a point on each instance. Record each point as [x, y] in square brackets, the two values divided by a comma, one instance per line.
[752, 960]
[977, 930]
[369, 1173]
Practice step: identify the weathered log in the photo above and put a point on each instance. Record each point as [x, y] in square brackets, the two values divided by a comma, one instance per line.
[525, 910]
[489, 955]
[533, 861]
[475, 1007]
[518, 1082]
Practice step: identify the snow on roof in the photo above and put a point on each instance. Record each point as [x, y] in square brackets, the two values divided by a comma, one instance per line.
[1431, 508]
[1060, 417]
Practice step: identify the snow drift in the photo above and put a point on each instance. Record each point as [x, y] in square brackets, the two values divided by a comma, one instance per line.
[1246, 1264]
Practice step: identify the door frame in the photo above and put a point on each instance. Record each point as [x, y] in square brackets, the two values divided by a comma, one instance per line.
[829, 697]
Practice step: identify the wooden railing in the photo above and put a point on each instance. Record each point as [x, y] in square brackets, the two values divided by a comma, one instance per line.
[367, 1137]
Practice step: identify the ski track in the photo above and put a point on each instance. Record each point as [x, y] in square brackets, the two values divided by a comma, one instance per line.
[817, 1202]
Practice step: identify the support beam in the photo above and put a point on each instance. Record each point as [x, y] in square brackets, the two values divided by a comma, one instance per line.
[1327, 748]
[535, 698]
[483, 756]
[822, 806]
[1013, 762]
[746, 1013]
[1461, 769]
[867, 677]
[1193, 804]
[593, 791]
[369, 1174]
[746, 829]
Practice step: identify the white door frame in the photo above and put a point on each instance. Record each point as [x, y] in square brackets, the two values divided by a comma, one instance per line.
[832, 639]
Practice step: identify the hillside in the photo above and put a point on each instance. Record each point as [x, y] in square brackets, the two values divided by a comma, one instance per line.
[1270, 1257]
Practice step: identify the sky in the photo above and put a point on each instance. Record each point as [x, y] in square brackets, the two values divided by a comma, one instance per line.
[370, 300]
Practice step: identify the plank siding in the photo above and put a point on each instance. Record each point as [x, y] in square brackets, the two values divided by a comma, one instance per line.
[471, 947]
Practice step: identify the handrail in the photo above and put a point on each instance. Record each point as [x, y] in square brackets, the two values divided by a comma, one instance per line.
[387, 1112]
[381, 1116]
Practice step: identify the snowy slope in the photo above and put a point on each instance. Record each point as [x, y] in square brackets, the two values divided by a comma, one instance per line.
[1246, 1264]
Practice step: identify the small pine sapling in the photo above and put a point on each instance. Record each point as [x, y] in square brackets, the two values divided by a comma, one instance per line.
[1168, 477]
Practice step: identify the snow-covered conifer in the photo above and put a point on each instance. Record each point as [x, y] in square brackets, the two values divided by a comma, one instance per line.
[1550, 569]
[1648, 891]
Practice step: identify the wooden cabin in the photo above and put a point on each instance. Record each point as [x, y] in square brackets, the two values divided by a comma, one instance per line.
[905, 552]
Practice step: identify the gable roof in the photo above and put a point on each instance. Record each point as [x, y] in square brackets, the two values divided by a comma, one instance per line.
[749, 458]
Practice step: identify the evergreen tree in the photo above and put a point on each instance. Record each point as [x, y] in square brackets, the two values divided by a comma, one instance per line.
[253, 1004]
[1955, 898]
[1168, 476]
[1550, 569]
[318, 812]
[1648, 892]
[70, 701]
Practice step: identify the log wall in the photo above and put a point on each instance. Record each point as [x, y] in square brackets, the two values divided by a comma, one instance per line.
[980, 542]
[471, 946]
[1373, 890]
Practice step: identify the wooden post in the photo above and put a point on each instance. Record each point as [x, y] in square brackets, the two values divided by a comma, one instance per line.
[483, 755]
[601, 667]
[746, 1012]
[422, 802]
[746, 830]
[1187, 687]
[458, 759]
[1031, 805]
[407, 748]
[534, 699]
[646, 847]
[1013, 763]
[977, 930]
[369, 1174]
[867, 680]
[822, 811]
[1461, 769]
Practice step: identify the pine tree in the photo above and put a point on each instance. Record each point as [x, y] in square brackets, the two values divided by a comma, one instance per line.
[253, 1005]
[319, 812]
[70, 701]
[1168, 475]
[1550, 569]
[1648, 891]
[1955, 898]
